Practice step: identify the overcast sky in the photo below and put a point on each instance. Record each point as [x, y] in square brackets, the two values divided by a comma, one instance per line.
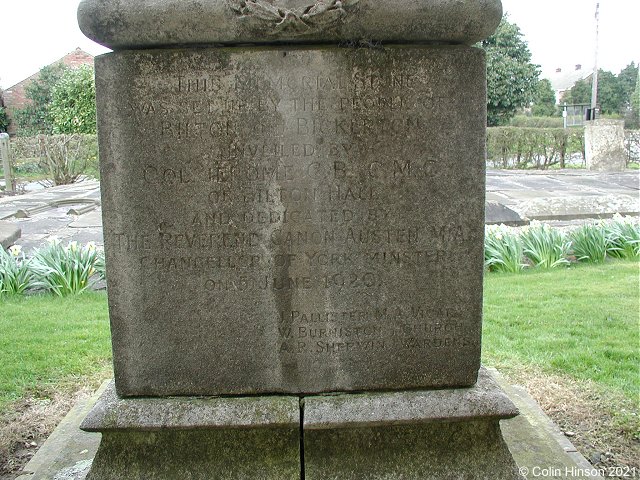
[561, 33]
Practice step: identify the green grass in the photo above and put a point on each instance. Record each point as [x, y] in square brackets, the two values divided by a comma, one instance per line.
[26, 176]
[46, 341]
[582, 322]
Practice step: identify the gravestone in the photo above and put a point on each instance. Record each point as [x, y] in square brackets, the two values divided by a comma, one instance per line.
[293, 204]
[5, 161]
[604, 145]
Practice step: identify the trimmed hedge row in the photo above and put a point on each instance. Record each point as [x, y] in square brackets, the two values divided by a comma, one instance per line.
[541, 148]
[522, 148]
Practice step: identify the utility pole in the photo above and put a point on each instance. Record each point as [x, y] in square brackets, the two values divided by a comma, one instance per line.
[594, 83]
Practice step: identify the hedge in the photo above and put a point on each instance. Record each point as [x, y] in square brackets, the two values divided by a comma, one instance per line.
[515, 147]
[507, 147]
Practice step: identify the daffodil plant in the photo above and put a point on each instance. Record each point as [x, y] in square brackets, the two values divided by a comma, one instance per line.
[16, 274]
[65, 270]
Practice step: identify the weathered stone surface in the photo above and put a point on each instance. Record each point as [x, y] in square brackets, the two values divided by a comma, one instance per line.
[483, 401]
[112, 413]
[498, 214]
[126, 24]
[195, 438]
[293, 220]
[272, 454]
[437, 434]
[470, 450]
[9, 233]
[604, 145]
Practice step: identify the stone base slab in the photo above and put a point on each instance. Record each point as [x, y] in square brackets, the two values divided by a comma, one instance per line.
[447, 433]
[452, 433]
[195, 438]
[533, 439]
[270, 454]
[449, 450]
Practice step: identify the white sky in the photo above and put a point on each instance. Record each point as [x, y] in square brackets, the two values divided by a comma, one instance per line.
[561, 33]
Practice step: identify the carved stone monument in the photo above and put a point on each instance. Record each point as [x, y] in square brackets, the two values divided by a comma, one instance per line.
[293, 198]
[604, 145]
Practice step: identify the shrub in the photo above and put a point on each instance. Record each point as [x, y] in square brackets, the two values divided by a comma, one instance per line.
[632, 145]
[16, 272]
[65, 157]
[513, 147]
[66, 270]
[623, 238]
[73, 102]
[4, 119]
[589, 243]
[536, 122]
[100, 266]
[503, 251]
[546, 247]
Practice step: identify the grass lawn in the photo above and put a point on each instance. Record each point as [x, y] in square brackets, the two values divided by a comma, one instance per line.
[582, 322]
[45, 341]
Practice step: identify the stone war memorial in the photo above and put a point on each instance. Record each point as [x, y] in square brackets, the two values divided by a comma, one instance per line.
[293, 198]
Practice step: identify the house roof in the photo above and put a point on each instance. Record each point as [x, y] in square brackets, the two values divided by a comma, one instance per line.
[567, 78]
[72, 59]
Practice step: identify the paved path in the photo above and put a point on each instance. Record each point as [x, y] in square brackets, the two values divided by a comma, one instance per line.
[513, 197]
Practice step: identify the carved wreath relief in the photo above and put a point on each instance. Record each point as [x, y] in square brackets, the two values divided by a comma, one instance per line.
[319, 14]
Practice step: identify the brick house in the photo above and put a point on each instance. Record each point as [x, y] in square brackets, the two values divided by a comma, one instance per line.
[14, 97]
[564, 80]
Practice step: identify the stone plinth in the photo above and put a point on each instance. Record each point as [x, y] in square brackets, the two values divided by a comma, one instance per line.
[431, 435]
[293, 220]
[195, 438]
[604, 145]
[150, 23]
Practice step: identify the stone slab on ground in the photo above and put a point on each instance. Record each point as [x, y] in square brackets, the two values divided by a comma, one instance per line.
[9, 233]
[68, 452]
[566, 194]
[537, 443]
[496, 213]
[533, 439]
[86, 189]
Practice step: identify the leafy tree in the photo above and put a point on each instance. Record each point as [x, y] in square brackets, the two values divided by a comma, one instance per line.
[73, 102]
[614, 92]
[544, 100]
[511, 77]
[635, 100]
[34, 118]
[628, 78]
[633, 119]
[4, 120]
